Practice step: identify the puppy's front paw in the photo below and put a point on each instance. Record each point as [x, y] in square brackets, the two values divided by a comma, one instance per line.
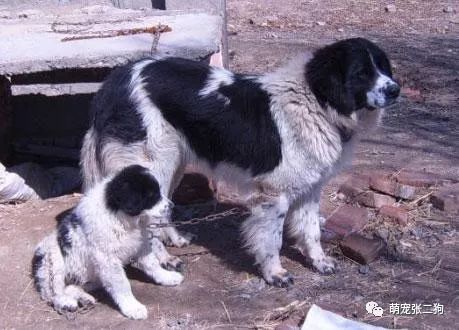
[169, 278]
[325, 265]
[134, 310]
[64, 304]
[86, 301]
[281, 280]
[174, 264]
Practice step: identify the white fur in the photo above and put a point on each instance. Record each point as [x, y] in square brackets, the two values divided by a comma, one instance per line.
[101, 245]
[217, 78]
[376, 96]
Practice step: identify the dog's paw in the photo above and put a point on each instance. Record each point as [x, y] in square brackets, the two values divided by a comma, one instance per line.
[180, 240]
[134, 310]
[281, 280]
[325, 265]
[174, 264]
[86, 301]
[168, 278]
[64, 304]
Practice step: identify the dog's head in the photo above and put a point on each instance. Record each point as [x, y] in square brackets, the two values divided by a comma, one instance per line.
[134, 190]
[350, 75]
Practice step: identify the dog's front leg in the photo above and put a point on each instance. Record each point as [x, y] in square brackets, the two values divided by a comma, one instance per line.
[263, 237]
[303, 223]
[115, 282]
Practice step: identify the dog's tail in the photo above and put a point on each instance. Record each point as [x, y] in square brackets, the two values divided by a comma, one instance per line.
[48, 262]
[90, 170]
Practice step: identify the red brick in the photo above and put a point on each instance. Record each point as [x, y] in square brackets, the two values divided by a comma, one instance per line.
[362, 249]
[396, 213]
[418, 178]
[447, 199]
[393, 188]
[372, 199]
[346, 220]
[413, 94]
[194, 188]
[354, 186]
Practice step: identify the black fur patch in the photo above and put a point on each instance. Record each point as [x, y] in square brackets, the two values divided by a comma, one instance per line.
[132, 191]
[233, 124]
[113, 114]
[64, 231]
[341, 74]
[37, 263]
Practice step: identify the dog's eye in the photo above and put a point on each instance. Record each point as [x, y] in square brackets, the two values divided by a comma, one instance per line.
[362, 74]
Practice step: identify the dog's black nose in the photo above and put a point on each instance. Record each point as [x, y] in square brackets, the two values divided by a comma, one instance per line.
[392, 91]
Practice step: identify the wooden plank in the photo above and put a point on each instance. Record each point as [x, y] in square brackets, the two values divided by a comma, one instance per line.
[6, 119]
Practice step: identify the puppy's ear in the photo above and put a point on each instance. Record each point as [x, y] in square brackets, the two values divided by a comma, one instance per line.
[326, 76]
[132, 191]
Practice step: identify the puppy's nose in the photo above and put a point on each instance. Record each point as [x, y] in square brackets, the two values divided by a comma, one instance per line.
[392, 91]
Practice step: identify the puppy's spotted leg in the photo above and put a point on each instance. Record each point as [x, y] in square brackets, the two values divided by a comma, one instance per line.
[114, 280]
[304, 225]
[263, 237]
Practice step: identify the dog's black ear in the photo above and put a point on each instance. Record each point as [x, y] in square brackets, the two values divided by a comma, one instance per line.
[326, 74]
[132, 191]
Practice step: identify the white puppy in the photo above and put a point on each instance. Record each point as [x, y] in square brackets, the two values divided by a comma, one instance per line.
[104, 232]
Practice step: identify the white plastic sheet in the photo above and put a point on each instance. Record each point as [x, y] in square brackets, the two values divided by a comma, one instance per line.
[13, 188]
[320, 319]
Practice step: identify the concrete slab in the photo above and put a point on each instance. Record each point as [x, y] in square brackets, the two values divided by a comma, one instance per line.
[30, 45]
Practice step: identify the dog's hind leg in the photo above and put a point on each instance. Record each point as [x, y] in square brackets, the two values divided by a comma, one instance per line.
[262, 233]
[304, 225]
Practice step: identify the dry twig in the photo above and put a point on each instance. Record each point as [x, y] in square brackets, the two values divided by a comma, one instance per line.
[226, 311]
[155, 30]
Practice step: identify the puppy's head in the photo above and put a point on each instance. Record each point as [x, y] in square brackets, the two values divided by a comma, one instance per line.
[134, 190]
[350, 75]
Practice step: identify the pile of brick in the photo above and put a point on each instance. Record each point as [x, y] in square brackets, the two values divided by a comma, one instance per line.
[390, 197]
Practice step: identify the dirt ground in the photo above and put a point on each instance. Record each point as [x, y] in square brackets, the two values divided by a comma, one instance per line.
[222, 288]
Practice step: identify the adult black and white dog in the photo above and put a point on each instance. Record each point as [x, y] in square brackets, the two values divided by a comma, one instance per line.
[273, 140]
[105, 231]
